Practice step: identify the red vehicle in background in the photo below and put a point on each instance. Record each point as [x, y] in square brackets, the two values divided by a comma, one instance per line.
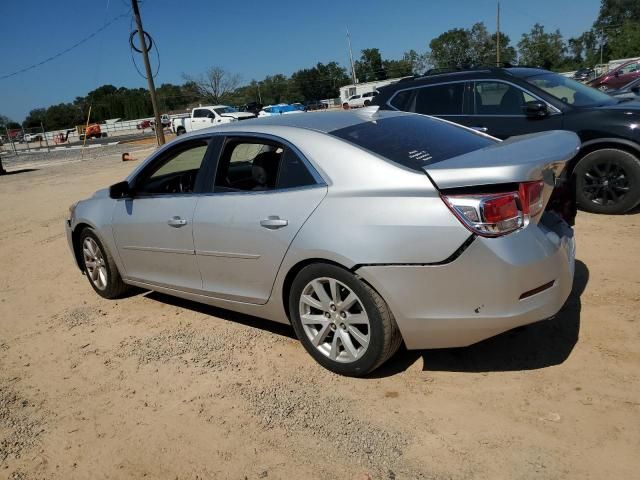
[617, 77]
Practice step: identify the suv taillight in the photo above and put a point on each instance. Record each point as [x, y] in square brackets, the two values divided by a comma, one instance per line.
[496, 214]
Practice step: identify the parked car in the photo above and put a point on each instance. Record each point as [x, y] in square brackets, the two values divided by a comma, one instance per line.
[504, 102]
[617, 77]
[33, 137]
[280, 109]
[430, 233]
[312, 105]
[363, 100]
[584, 74]
[630, 90]
[144, 124]
[203, 117]
[252, 107]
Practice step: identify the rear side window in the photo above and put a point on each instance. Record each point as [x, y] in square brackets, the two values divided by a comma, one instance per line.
[413, 141]
[440, 99]
[251, 165]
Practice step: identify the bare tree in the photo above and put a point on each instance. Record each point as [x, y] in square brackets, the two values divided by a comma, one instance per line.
[215, 84]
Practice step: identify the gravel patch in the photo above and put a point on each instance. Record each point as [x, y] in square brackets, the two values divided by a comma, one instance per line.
[301, 408]
[219, 350]
[19, 427]
[78, 316]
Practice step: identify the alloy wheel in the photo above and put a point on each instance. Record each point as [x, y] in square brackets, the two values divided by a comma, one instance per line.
[334, 320]
[605, 183]
[94, 263]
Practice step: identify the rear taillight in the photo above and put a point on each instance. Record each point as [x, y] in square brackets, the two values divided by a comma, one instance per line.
[495, 214]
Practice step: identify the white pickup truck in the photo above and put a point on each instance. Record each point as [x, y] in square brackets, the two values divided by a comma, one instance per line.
[210, 116]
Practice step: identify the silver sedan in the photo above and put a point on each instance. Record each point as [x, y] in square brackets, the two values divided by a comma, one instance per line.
[362, 229]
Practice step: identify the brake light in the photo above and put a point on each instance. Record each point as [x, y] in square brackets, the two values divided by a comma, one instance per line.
[496, 214]
[532, 199]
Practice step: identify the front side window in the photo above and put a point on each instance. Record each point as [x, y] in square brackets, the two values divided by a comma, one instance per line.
[632, 67]
[248, 165]
[175, 172]
[569, 91]
[443, 99]
[201, 113]
[498, 98]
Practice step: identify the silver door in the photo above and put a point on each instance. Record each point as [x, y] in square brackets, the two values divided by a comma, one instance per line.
[154, 236]
[154, 229]
[241, 238]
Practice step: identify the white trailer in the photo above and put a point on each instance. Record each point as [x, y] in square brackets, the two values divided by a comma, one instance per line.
[349, 91]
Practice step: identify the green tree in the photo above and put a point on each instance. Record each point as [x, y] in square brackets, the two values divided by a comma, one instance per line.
[319, 82]
[614, 13]
[451, 49]
[626, 41]
[35, 117]
[417, 62]
[542, 49]
[461, 47]
[369, 67]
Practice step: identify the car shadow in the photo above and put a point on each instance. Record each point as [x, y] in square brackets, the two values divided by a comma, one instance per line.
[284, 330]
[530, 347]
[15, 172]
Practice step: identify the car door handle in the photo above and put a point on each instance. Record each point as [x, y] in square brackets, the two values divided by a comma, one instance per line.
[480, 129]
[176, 222]
[273, 222]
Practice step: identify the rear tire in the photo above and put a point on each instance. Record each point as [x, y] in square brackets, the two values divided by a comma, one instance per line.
[608, 181]
[99, 266]
[341, 321]
[180, 131]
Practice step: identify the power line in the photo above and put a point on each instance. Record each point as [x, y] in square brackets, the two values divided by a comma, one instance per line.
[59, 54]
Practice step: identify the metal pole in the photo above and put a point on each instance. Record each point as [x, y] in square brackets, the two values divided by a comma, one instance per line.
[147, 66]
[44, 134]
[498, 38]
[601, 43]
[353, 68]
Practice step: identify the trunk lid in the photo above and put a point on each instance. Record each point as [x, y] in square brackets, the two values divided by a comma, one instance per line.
[504, 165]
[517, 159]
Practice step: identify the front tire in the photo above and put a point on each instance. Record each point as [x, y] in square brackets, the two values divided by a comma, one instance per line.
[99, 266]
[341, 321]
[608, 181]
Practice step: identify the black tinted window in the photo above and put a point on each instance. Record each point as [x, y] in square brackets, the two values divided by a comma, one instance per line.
[439, 99]
[403, 100]
[293, 172]
[413, 141]
[252, 165]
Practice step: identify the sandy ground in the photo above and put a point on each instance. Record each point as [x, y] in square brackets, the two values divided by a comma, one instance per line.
[150, 386]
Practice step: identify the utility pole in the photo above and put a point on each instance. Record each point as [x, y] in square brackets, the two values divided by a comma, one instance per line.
[601, 44]
[498, 38]
[147, 66]
[353, 68]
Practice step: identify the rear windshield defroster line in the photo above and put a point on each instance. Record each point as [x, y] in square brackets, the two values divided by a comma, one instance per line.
[413, 141]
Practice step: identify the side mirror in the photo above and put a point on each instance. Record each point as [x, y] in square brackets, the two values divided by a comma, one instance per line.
[210, 115]
[616, 73]
[535, 109]
[120, 190]
[636, 89]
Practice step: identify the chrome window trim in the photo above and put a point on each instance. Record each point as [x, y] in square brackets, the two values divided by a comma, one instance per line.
[553, 109]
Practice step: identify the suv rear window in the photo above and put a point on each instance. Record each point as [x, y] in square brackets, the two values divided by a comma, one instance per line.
[413, 141]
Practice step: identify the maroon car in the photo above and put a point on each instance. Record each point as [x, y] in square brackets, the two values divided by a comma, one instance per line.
[617, 77]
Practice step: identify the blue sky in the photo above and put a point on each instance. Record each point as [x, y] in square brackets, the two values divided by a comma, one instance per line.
[253, 38]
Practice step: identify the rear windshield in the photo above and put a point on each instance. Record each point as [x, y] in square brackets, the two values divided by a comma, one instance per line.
[413, 141]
